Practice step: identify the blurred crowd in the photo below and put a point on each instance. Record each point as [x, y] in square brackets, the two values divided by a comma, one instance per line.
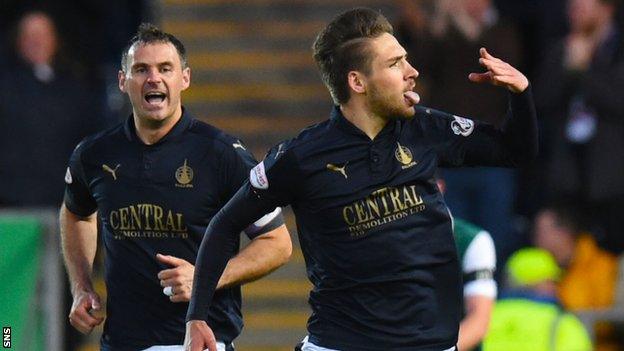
[569, 202]
[58, 64]
[58, 77]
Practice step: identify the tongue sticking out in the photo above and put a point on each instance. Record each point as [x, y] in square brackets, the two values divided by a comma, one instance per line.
[412, 97]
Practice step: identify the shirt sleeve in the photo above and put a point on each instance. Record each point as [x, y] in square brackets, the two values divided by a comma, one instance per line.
[265, 224]
[464, 142]
[237, 163]
[268, 187]
[234, 167]
[78, 198]
[276, 177]
[479, 265]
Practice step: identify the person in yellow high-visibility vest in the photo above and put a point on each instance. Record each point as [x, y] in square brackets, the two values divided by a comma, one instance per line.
[528, 317]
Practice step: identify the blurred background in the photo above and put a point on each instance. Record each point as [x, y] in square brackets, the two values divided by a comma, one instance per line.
[253, 76]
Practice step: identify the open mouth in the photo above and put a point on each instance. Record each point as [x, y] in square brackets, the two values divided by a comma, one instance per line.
[155, 97]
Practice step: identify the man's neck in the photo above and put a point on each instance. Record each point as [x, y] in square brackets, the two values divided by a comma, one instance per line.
[150, 132]
[361, 117]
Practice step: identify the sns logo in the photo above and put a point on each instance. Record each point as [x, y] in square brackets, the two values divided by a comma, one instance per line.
[258, 178]
[462, 126]
[6, 337]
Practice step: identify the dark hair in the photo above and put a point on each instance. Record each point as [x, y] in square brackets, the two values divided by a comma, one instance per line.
[566, 215]
[149, 33]
[343, 46]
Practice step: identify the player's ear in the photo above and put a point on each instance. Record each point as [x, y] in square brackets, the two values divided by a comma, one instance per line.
[186, 78]
[356, 81]
[121, 79]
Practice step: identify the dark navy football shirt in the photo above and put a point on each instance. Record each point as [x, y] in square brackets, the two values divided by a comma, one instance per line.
[157, 199]
[374, 229]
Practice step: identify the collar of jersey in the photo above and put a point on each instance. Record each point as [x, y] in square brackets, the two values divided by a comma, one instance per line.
[182, 125]
[391, 128]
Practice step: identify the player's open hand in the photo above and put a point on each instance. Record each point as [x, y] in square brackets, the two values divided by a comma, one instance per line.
[499, 73]
[199, 337]
[83, 314]
[178, 280]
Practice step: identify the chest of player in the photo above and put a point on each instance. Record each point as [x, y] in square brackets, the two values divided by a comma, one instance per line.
[354, 191]
[340, 175]
[156, 182]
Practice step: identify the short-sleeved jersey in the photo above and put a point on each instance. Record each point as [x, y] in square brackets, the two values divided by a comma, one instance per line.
[477, 256]
[156, 199]
[374, 229]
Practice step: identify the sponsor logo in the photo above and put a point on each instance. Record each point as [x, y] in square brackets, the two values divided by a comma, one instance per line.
[462, 126]
[238, 144]
[147, 221]
[280, 150]
[404, 156]
[184, 176]
[112, 171]
[68, 176]
[258, 178]
[342, 170]
[382, 206]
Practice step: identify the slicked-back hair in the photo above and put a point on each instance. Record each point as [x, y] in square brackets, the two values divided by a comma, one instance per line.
[149, 34]
[343, 46]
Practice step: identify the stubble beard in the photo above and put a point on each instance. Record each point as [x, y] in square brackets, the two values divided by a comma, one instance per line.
[386, 107]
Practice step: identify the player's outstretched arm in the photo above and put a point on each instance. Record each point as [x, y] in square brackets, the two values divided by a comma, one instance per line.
[79, 244]
[499, 73]
[220, 243]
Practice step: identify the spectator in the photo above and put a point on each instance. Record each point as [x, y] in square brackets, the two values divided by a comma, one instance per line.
[580, 91]
[44, 112]
[590, 272]
[528, 316]
[442, 49]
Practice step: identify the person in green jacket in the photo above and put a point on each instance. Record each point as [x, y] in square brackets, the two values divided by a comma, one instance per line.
[528, 317]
